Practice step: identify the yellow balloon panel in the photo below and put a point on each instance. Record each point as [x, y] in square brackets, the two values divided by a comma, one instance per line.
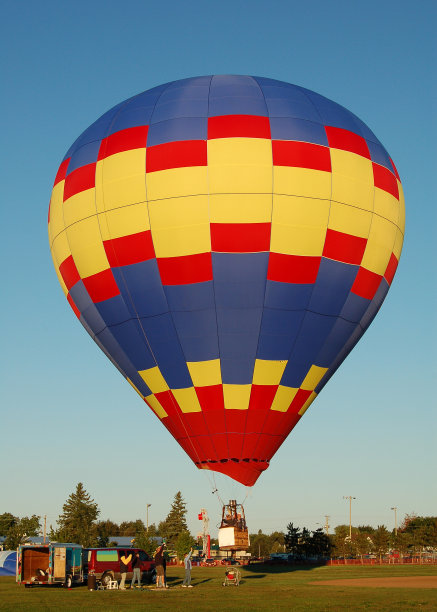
[226, 241]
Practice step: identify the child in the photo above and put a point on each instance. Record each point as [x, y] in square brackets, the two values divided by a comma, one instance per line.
[187, 564]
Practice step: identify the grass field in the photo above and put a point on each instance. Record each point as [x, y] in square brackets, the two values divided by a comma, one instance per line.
[262, 588]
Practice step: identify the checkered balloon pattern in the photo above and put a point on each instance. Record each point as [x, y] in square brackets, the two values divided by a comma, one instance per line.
[226, 241]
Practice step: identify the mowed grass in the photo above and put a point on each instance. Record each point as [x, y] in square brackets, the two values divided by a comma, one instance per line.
[262, 588]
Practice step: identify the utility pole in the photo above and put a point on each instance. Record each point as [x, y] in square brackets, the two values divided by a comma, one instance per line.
[396, 519]
[350, 498]
[327, 524]
[147, 517]
[45, 527]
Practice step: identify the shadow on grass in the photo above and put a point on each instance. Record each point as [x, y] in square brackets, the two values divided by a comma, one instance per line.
[264, 568]
[174, 581]
[256, 576]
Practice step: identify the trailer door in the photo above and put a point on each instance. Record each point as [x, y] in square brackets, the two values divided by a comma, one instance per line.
[60, 561]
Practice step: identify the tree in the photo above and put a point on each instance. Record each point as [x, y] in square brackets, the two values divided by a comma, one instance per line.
[152, 531]
[305, 543]
[102, 537]
[21, 530]
[106, 530]
[408, 518]
[401, 542]
[144, 541]
[291, 539]
[184, 542]
[260, 545]
[419, 539]
[175, 523]
[77, 523]
[321, 543]
[342, 544]
[380, 539]
[130, 528]
[7, 520]
[113, 529]
[276, 542]
[362, 542]
[422, 530]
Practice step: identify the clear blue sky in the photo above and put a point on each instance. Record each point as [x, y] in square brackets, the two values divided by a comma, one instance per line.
[66, 413]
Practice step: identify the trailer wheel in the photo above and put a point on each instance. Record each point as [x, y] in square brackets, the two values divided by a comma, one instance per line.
[68, 582]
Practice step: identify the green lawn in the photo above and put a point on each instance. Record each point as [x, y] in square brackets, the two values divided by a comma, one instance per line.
[262, 588]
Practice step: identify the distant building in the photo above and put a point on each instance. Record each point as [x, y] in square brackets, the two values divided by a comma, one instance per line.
[127, 540]
[35, 540]
[26, 540]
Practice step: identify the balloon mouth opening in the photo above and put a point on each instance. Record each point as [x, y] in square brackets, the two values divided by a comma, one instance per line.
[245, 471]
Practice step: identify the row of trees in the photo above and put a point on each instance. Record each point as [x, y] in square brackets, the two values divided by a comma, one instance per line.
[263, 544]
[415, 535]
[79, 523]
[16, 529]
[305, 543]
[296, 541]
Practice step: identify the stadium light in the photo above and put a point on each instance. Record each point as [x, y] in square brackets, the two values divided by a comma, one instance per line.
[350, 498]
[147, 517]
[396, 519]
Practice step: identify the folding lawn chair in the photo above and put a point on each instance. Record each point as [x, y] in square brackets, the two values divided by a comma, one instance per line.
[232, 577]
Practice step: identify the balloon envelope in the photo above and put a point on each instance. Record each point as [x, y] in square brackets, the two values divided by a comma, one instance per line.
[226, 241]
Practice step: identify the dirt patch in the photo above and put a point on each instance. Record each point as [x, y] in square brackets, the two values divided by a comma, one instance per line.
[405, 582]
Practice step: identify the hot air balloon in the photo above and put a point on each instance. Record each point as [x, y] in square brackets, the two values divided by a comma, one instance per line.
[226, 241]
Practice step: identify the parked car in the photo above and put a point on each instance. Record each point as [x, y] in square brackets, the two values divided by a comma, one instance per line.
[104, 564]
[210, 562]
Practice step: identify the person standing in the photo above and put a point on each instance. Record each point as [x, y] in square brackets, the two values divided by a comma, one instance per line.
[124, 567]
[136, 566]
[159, 565]
[187, 565]
[164, 565]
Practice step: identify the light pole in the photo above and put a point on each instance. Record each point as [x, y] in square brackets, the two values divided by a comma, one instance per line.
[350, 498]
[147, 517]
[396, 519]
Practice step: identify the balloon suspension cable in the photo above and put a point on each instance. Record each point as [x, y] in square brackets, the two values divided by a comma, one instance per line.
[208, 475]
[215, 491]
[248, 493]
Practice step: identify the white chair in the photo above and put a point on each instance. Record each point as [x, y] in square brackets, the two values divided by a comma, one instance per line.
[112, 584]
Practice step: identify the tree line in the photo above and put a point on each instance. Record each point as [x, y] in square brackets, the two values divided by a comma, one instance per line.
[416, 535]
[79, 522]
